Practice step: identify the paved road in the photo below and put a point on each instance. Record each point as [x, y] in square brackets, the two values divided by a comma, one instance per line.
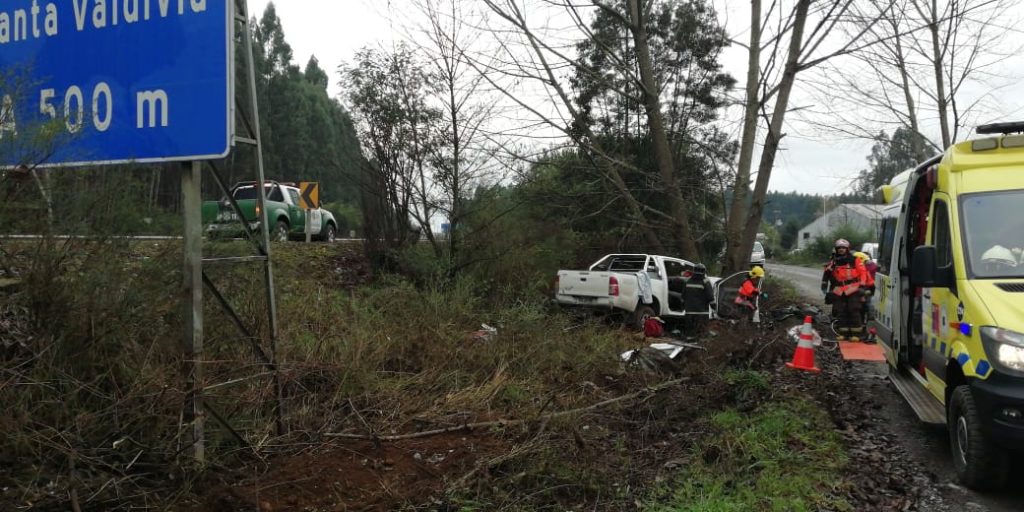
[806, 280]
[927, 445]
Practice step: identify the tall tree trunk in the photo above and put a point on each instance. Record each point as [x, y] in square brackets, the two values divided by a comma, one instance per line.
[735, 259]
[916, 143]
[419, 194]
[654, 243]
[606, 162]
[774, 136]
[940, 81]
[455, 214]
[662, 150]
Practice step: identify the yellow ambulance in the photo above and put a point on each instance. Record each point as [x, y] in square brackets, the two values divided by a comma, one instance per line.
[950, 297]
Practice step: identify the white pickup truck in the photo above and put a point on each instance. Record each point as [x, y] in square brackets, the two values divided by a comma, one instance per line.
[636, 284]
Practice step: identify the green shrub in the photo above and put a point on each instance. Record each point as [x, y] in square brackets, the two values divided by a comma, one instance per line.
[349, 218]
[821, 248]
[785, 456]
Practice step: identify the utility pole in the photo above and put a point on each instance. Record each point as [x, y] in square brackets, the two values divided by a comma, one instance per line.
[193, 304]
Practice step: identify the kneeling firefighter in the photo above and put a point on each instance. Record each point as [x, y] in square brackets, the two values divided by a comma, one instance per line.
[748, 292]
[844, 284]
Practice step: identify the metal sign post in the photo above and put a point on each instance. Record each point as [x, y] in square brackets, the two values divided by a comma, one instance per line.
[242, 16]
[192, 290]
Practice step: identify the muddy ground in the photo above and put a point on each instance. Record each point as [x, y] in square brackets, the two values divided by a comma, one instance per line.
[606, 458]
[901, 461]
[902, 464]
[602, 459]
[422, 474]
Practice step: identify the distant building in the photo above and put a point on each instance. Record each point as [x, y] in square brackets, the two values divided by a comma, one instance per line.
[863, 217]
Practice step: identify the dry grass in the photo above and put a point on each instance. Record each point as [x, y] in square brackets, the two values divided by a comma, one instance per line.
[95, 390]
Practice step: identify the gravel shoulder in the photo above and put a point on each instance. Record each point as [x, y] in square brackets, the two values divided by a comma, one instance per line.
[901, 463]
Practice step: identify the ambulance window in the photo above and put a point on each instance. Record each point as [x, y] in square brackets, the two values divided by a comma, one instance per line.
[885, 247]
[993, 234]
[940, 235]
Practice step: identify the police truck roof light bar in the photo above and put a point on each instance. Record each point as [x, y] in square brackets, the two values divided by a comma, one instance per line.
[1001, 128]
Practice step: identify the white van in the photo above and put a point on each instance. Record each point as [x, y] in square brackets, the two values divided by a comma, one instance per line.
[871, 249]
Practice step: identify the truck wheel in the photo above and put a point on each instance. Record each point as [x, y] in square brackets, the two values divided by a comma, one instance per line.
[330, 234]
[640, 315]
[281, 231]
[978, 462]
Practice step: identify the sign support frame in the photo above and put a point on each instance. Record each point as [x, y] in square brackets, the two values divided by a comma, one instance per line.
[191, 189]
[242, 15]
[195, 408]
[189, 155]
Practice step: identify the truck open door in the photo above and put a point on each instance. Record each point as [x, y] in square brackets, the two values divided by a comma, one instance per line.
[726, 290]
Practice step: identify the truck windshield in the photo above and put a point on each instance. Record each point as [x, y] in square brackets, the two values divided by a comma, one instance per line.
[993, 234]
[621, 263]
[249, 192]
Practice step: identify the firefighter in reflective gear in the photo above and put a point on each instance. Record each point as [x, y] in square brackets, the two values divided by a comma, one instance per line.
[748, 291]
[869, 287]
[844, 283]
[698, 295]
[698, 300]
[869, 277]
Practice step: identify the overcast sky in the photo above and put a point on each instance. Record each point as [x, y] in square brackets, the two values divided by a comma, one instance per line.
[810, 162]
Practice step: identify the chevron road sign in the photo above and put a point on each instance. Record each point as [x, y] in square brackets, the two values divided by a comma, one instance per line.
[309, 195]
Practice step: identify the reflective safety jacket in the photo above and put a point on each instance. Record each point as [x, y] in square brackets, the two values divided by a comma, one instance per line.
[698, 294]
[747, 293]
[748, 290]
[844, 277]
[869, 278]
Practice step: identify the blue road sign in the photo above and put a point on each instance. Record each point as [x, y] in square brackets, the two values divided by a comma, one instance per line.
[93, 81]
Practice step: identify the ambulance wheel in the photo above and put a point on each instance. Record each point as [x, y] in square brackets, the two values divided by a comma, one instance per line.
[978, 462]
[642, 313]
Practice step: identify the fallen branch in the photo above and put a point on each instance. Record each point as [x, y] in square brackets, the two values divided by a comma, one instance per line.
[510, 423]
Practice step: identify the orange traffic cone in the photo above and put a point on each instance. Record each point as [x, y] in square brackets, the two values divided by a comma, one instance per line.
[803, 358]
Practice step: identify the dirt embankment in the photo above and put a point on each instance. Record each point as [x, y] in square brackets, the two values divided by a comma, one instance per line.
[610, 457]
[898, 462]
[583, 430]
[636, 445]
